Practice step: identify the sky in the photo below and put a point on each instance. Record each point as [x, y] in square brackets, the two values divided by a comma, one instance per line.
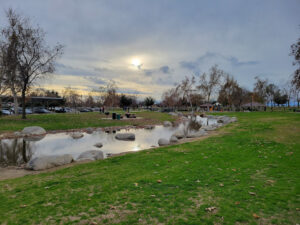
[146, 46]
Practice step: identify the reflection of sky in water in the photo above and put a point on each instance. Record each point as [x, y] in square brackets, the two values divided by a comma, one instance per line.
[62, 143]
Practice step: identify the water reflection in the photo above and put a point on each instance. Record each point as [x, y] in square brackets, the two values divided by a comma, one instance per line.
[20, 151]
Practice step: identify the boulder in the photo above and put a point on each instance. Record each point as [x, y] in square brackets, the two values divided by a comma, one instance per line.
[149, 127]
[98, 145]
[89, 130]
[34, 130]
[167, 124]
[76, 135]
[46, 162]
[196, 134]
[34, 138]
[90, 155]
[209, 128]
[163, 142]
[173, 139]
[224, 119]
[125, 136]
[233, 119]
[179, 134]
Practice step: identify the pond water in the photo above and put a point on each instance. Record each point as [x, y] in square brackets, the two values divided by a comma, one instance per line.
[19, 151]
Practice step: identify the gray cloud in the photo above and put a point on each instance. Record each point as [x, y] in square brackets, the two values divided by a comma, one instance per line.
[165, 69]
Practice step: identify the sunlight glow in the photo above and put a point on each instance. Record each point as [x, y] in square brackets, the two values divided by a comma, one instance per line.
[136, 62]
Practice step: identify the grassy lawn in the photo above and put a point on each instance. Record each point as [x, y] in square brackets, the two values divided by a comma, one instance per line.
[72, 121]
[247, 175]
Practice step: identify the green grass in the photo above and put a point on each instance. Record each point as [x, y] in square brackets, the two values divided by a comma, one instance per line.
[252, 168]
[73, 121]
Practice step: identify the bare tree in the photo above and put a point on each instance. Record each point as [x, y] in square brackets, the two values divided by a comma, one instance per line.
[295, 51]
[260, 89]
[288, 91]
[186, 89]
[3, 87]
[232, 94]
[9, 50]
[208, 84]
[72, 97]
[170, 98]
[33, 58]
[110, 97]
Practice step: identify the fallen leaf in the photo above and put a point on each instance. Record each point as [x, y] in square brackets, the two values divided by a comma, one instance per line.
[251, 193]
[237, 203]
[113, 207]
[255, 216]
[221, 185]
[210, 209]
[234, 170]
[136, 184]
[23, 206]
[159, 181]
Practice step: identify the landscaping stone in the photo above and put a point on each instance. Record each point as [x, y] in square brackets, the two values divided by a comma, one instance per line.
[173, 139]
[76, 135]
[89, 130]
[167, 124]
[208, 128]
[90, 155]
[34, 130]
[163, 142]
[196, 134]
[149, 127]
[46, 162]
[125, 136]
[98, 145]
[179, 134]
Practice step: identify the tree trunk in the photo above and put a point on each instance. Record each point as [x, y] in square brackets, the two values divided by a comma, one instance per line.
[23, 103]
[16, 105]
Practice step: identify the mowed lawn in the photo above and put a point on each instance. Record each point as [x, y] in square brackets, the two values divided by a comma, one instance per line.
[249, 174]
[79, 120]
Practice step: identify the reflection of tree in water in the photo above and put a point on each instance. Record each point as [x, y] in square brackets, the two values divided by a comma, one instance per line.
[14, 151]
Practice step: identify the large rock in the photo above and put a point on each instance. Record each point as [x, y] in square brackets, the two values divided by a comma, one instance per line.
[224, 119]
[209, 128]
[196, 134]
[46, 162]
[76, 135]
[167, 124]
[163, 142]
[149, 127]
[34, 137]
[90, 155]
[173, 139]
[125, 136]
[89, 130]
[179, 134]
[34, 130]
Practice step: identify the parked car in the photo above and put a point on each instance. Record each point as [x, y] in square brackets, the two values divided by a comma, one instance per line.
[20, 111]
[84, 110]
[5, 112]
[60, 110]
[41, 110]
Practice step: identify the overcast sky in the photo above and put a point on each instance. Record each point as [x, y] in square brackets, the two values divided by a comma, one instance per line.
[165, 39]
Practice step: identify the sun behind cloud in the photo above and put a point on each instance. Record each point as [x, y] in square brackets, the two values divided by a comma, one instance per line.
[136, 62]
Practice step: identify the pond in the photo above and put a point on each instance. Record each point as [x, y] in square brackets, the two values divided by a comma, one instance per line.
[18, 151]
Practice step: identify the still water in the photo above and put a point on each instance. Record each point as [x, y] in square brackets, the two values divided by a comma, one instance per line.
[19, 151]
